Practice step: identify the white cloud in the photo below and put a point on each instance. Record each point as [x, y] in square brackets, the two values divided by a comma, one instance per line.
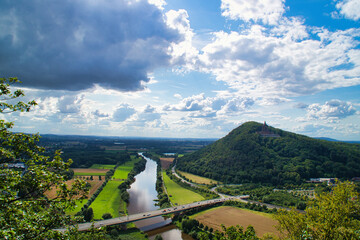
[182, 52]
[99, 114]
[349, 9]
[211, 107]
[70, 104]
[123, 112]
[236, 105]
[267, 11]
[159, 3]
[283, 61]
[331, 110]
[193, 103]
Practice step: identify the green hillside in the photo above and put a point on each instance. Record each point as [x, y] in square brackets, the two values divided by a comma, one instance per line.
[244, 155]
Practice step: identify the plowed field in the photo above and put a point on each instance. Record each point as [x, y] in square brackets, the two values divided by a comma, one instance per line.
[95, 184]
[231, 216]
[166, 162]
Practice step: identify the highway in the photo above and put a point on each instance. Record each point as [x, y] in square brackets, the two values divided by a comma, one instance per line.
[145, 215]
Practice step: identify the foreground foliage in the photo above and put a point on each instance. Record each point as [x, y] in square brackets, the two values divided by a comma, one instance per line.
[332, 215]
[25, 211]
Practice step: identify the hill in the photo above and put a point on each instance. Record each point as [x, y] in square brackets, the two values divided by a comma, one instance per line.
[246, 154]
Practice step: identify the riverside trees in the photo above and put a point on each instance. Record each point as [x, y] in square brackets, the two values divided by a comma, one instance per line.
[25, 211]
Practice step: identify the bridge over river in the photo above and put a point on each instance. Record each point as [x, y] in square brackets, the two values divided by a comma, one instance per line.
[151, 214]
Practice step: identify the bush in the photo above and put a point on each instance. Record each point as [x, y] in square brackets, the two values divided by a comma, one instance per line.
[107, 216]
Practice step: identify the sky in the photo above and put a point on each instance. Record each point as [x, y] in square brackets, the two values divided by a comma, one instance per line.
[184, 68]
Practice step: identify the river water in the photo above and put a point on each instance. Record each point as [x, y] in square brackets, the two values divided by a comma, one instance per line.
[142, 196]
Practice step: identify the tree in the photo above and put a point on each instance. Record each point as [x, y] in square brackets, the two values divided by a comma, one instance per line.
[88, 214]
[331, 215]
[158, 237]
[107, 216]
[26, 174]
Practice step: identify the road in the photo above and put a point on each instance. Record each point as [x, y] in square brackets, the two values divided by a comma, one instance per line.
[145, 215]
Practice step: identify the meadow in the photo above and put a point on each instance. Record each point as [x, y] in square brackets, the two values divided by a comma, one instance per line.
[89, 172]
[109, 201]
[102, 166]
[123, 170]
[179, 195]
[198, 179]
[230, 216]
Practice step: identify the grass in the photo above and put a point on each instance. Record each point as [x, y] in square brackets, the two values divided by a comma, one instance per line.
[79, 205]
[132, 234]
[102, 166]
[109, 201]
[198, 179]
[122, 171]
[89, 174]
[180, 195]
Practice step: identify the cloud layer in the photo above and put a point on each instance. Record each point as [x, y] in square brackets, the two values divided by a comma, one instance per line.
[73, 45]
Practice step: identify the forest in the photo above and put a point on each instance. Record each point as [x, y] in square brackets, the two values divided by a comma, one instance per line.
[245, 156]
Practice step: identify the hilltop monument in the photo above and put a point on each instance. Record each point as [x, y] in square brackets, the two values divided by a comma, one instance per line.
[265, 132]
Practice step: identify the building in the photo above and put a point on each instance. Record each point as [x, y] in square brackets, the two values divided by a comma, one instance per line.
[265, 132]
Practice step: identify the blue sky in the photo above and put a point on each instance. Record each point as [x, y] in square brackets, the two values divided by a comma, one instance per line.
[184, 68]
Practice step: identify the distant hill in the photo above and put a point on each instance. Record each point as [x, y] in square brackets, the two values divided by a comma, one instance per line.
[251, 154]
[335, 140]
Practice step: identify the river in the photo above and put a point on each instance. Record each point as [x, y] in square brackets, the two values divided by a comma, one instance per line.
[142, 196]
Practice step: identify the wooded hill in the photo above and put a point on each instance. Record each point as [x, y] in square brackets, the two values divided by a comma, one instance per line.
[244, 155]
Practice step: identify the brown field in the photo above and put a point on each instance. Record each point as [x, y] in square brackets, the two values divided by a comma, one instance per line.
[231, 216]
[166, 162]
[95, 184]
[89, 170]
[198, 179]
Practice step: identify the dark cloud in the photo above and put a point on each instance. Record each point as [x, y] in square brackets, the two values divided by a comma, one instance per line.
[72, 45]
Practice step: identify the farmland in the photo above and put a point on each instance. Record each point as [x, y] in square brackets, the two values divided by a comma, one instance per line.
[179, 195]
[102, 166]
[89, 172]
[123, 170]
[95, 184]
[166, 162]
[108, 201]
[230, 216]
[198, 179]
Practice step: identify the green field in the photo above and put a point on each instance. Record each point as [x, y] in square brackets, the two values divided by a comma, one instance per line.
[102, 166]
[79, 205]
[89, 174]
[123, 170]
[108, 201]
[180, 195]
